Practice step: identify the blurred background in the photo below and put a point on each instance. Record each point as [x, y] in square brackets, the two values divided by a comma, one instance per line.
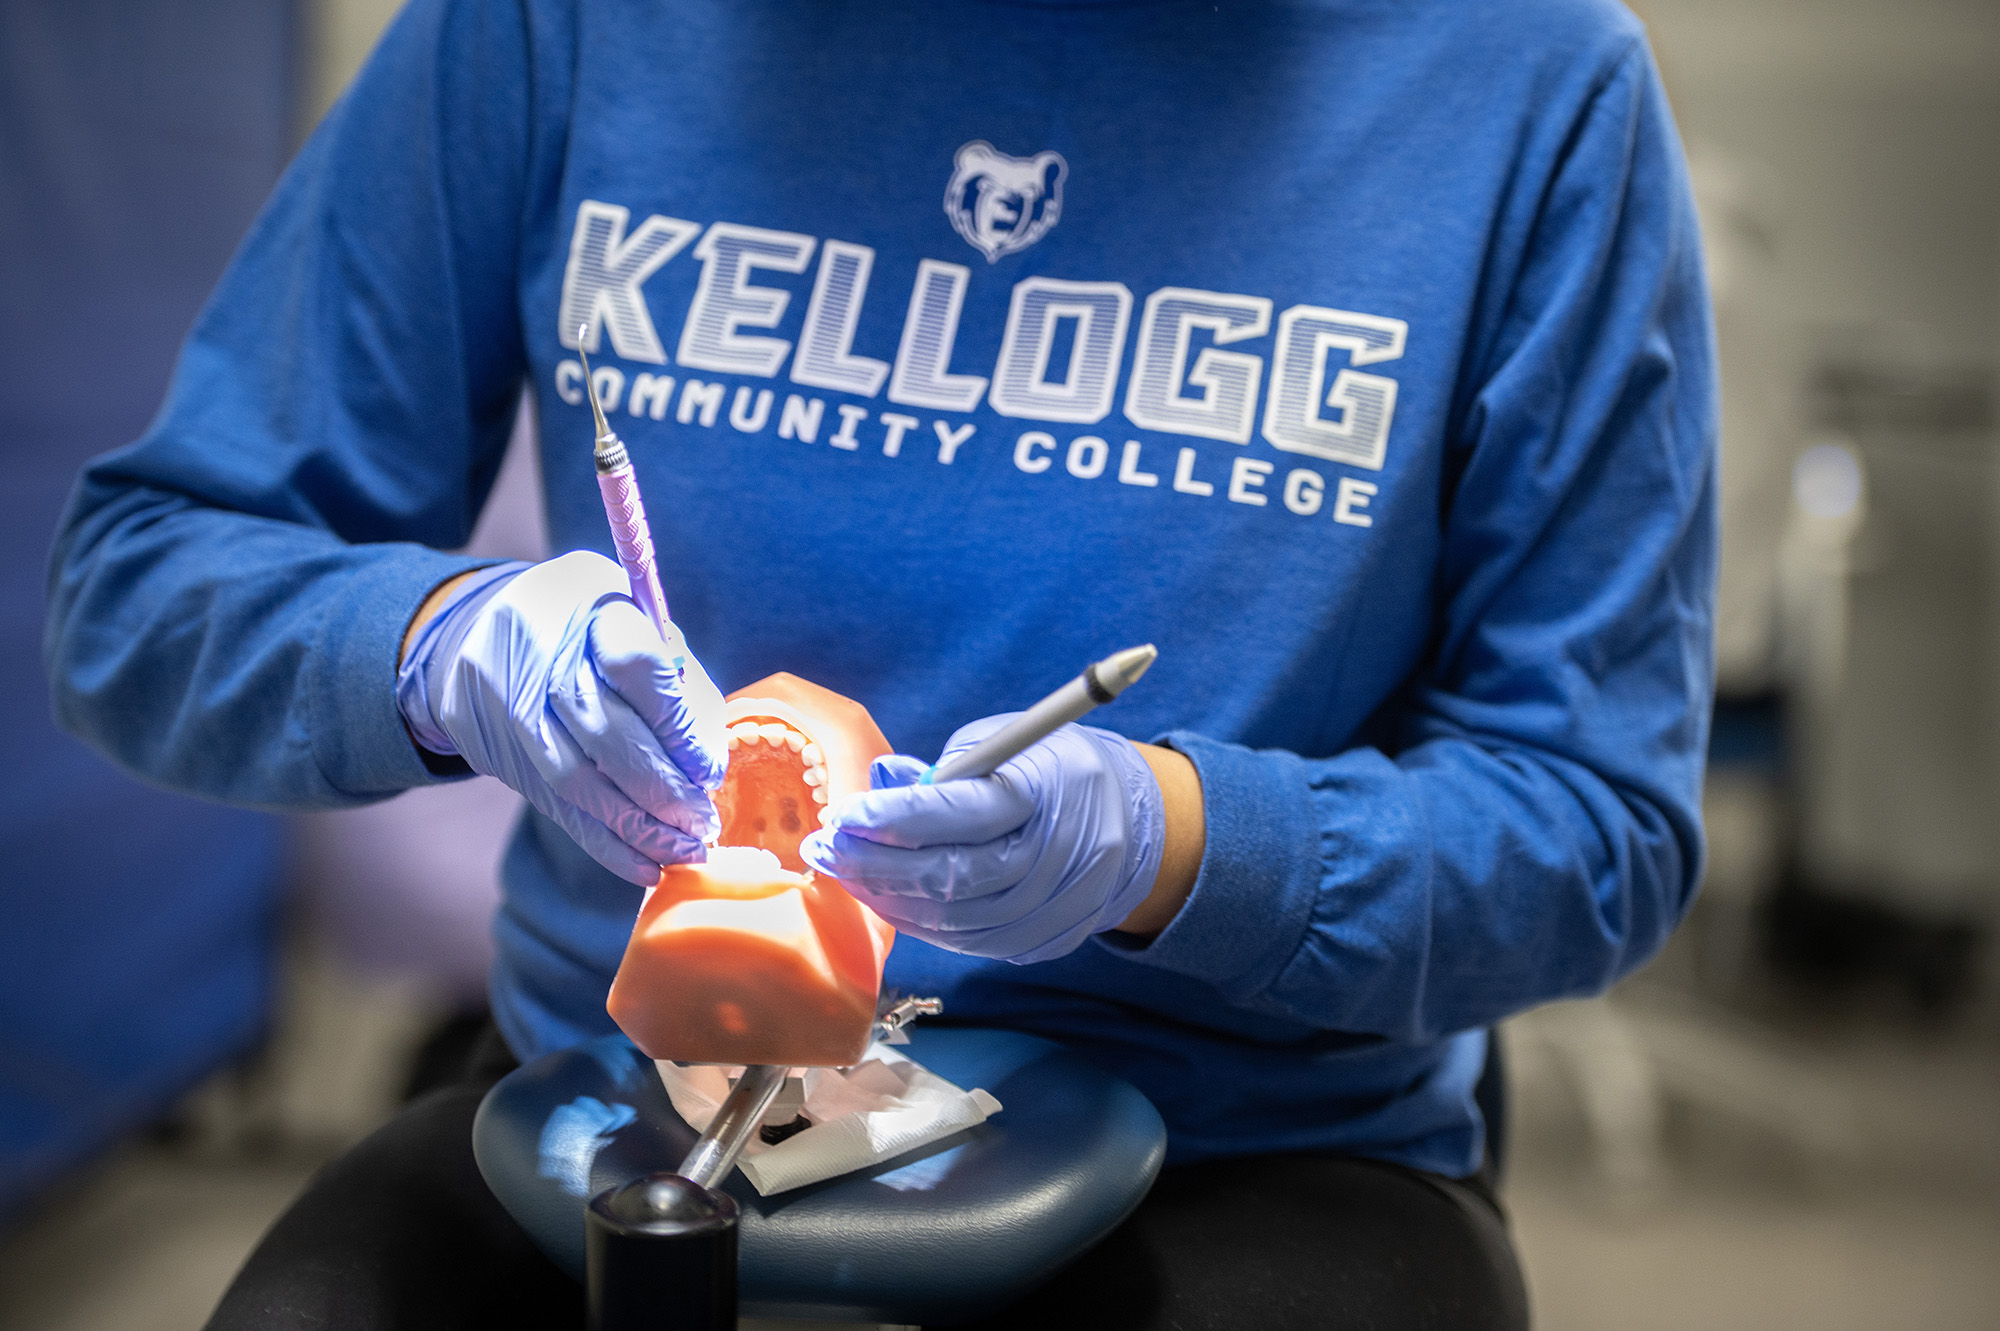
[1789, 1120]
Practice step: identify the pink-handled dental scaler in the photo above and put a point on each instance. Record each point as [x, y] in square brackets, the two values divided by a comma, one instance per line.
[627, 512]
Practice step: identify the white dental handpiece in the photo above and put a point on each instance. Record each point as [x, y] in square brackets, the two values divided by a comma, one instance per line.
[1100, 682]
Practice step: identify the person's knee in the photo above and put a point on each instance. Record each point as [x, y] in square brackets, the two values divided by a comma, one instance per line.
[1323, 1241]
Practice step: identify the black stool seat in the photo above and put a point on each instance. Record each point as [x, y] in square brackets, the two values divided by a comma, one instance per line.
[956, 1229]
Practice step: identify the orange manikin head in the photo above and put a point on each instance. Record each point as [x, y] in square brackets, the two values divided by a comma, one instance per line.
[752, 958]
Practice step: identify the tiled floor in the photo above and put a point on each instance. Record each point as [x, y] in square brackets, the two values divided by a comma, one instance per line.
[145, 1242]
[1753, 1226]
[1719, 1257]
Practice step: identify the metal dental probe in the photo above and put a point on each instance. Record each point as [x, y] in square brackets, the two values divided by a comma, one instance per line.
[740, 1114]
[626, 511]
[715, 1152]
[743, 1110]
[1100, 682]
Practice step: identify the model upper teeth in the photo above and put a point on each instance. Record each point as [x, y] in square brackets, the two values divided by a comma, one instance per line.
[779, 736]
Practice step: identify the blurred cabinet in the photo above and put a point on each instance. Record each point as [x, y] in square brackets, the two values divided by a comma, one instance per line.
[1901, 778]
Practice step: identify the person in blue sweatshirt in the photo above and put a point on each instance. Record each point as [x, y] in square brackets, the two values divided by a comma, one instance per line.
[1354, 352]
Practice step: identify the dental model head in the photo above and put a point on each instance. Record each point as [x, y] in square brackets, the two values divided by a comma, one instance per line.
[751, 958]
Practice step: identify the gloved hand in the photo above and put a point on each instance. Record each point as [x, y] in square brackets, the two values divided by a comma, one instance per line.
[552, 679]
[1061, 842]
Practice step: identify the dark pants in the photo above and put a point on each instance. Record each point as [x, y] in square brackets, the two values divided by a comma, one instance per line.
[401, 1232]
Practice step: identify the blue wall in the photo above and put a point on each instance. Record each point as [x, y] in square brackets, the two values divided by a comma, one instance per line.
[136, 928]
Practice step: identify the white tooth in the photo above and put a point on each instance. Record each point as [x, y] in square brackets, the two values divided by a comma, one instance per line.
[795, 741]
[819, 793]
[735, 740]
[773, 732]
[811, 754]
[745, 731]
[826, 817]
[815, 776]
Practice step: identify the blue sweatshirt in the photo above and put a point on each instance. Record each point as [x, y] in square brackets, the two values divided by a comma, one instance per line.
[1353, 351]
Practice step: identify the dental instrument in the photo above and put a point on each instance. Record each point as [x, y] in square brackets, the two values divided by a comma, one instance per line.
[1100, 682]
[619, 486]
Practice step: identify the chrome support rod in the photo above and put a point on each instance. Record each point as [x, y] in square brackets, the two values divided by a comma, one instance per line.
[714, 1155]
[742, 1112]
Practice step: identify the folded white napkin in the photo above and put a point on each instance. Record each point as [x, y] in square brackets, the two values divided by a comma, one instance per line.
[860, 1116]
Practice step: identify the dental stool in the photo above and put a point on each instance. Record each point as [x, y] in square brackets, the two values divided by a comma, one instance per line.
[943, 1234]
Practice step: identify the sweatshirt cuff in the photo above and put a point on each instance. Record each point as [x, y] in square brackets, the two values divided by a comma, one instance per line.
[431, 652]
[1253, 897]
[359, 740]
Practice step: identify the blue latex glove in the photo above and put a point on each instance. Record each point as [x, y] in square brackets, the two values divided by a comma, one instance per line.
[550, 678]
[1061, 842]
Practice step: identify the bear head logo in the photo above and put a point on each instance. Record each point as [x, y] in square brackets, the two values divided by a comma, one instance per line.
[1003, 204]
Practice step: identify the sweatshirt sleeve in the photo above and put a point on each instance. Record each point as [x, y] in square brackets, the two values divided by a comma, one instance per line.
[229, 593]
[1530, 829]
